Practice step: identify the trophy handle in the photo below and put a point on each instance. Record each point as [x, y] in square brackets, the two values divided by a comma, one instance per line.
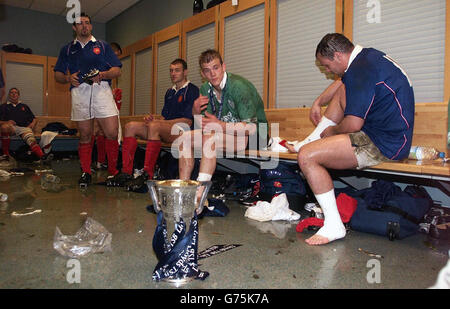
[151, 184]
[207, 185]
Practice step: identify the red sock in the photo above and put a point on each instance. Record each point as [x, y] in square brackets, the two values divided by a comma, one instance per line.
[37, 150]
[101, 154]
[112, 153]
[85, 154]
[309, 222]
[151, 155]
[129, 146]
[6, 140]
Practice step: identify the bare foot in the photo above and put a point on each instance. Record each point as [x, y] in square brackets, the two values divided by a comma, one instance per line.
[317, 240]
[326, 234]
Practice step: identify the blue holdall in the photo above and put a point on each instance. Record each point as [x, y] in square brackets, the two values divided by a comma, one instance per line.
[384, 209]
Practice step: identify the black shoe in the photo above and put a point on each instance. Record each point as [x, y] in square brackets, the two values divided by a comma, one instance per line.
[85, 180]
[138, 184]
[118, 180]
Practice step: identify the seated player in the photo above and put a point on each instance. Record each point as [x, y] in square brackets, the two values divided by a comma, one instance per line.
[16, 118]
[369, 120]
[229, 112]
[177, 108]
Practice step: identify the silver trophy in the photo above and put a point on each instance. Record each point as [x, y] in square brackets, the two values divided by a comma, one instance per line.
[178, 200]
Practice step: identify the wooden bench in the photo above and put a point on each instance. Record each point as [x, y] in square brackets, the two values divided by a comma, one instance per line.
[60, 143]
[42, 121]
[430, 129]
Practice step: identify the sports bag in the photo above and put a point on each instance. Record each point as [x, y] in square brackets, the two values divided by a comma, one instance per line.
[384, 209]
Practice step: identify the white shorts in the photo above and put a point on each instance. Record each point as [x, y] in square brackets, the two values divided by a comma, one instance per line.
[93, 101]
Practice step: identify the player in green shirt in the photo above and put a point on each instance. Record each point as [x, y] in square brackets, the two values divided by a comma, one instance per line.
[229, 117]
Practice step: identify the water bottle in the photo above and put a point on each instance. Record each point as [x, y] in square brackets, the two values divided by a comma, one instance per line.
[425, 153]
[52, 178]
[3, 197]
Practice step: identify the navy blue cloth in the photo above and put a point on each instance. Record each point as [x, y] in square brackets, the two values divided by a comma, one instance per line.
[385, 205]
[177, 256]
[95, 55]
[216, 208]
[20, 113]
[285, 178]
[178, 104]
[379, 91]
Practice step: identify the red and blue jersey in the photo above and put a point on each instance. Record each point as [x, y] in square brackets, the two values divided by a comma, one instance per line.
[20, 113]
[178, 104]
[379, 91]
[96, 54]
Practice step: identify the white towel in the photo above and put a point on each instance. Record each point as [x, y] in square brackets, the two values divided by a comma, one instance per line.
[277, 209]
[46, 139]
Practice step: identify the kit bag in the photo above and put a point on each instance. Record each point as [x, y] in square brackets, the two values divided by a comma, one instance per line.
[384, 209]
[285, 178]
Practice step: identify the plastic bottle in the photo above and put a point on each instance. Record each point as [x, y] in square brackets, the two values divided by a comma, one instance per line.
[3, 197]
[51, 178]
[425, 153]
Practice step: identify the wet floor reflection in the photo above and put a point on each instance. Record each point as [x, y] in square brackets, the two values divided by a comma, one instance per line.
[279, 229]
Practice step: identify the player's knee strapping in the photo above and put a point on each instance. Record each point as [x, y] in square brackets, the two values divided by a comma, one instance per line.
[28, 138]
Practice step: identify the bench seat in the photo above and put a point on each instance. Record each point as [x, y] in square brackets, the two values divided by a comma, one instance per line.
[430, 129]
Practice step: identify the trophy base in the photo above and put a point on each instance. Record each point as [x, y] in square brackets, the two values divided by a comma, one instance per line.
[178, 281]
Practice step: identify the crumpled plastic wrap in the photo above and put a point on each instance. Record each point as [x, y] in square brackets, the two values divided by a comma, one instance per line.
[92, 237]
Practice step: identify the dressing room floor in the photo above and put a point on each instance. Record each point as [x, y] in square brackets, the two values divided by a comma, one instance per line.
[271, 255]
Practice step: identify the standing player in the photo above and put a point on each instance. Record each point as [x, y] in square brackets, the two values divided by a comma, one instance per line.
[89, 65]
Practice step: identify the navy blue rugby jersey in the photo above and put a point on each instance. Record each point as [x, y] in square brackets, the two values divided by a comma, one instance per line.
[379, 91]
[96, 54]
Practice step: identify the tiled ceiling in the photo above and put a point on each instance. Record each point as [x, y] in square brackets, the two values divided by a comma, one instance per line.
[100, 11]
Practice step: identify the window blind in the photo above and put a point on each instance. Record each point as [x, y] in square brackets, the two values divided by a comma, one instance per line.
[301, 24]
[412, 32]
[143, 82]
[168, 51]
[244, 45]
[28, 78]
[197, 41]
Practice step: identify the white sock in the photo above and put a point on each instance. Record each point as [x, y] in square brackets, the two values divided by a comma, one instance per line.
[333, 228]
[315, 134]
[204, 177]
